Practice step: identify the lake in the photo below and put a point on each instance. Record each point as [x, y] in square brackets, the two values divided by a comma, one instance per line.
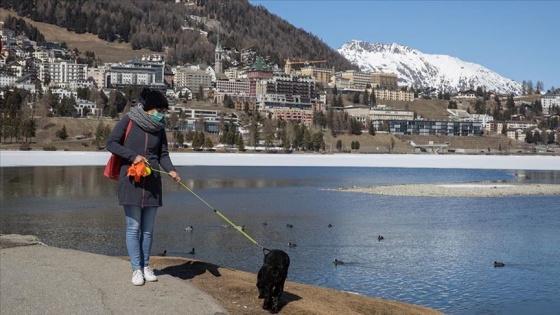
[437, 252]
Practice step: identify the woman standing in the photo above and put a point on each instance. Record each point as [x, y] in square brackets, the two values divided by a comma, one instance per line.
[146, 141]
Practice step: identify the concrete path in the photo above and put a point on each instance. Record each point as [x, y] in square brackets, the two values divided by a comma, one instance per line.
[39, 279]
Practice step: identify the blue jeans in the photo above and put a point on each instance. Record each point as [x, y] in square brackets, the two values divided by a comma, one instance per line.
[139, 233]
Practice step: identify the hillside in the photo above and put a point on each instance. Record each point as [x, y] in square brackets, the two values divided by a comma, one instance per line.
[183, 32]
[106, 51]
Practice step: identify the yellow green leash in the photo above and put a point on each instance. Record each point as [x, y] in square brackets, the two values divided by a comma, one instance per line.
[215, 210]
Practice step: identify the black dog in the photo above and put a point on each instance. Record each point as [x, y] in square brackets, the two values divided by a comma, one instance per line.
[271, 278]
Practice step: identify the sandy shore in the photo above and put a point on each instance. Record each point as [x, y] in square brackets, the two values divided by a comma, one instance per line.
[458, 190]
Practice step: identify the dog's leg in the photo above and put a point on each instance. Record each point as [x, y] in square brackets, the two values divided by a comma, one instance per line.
[267, 302]
[275, 307]
[275, 297]
[260, 283]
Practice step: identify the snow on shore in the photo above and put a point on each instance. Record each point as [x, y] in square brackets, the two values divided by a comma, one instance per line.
[84, 158]
[458, 190]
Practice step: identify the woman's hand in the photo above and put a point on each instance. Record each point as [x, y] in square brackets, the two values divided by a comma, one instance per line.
[139, 159]
[175, 176]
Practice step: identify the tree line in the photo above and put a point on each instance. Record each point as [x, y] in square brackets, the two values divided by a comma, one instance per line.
[187, 34]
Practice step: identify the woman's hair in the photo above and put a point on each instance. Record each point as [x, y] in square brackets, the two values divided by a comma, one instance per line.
[153, 99]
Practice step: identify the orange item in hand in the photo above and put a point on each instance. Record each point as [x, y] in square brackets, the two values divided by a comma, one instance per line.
[137, 170]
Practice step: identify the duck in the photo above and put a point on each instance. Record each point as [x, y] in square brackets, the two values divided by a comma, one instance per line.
[498, 264]
[162, 253]
[264, 223]
[191, 252]
[330, 225]
[337, 262]
[189, 228]
[290, 244]
[380, 237]
[289, 225]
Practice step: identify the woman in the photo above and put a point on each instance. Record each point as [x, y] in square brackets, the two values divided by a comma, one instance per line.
[146, 141]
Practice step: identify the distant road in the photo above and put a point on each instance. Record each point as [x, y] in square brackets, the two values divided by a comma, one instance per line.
[84, 158]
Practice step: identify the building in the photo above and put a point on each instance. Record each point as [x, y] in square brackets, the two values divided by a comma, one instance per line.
[516, 134]
[289, 85]
[260, 70]
[459, 114]
[550, 100]
[498, 127]
[379, 114]
[97, 74]
[383, 112]
[304, 116]
[285, 91]
[231, 88]
[269, 101]
[432, 128]
[321, 75]
[482, 118]
[62, 71]
[393, 95]
[468, 94]
[382, 80]
[135, 72]
[191, 120]
[356, 79]
[7, 80]
[85, 107]
[192, 78]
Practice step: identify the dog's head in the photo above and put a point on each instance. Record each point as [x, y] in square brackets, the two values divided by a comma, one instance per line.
[277, 258]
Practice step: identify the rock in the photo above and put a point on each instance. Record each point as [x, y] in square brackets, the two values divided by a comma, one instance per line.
[14, 240]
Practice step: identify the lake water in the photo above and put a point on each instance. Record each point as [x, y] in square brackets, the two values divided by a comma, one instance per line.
[437, 252]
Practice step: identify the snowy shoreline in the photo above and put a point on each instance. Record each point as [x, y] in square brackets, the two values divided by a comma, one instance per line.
[457, 190]
[85, 158]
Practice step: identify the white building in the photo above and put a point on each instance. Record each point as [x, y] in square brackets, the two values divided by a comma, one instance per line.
[7, 80]
[135, 72]
[378, 114]
[550, 100]
[356, 79]
[233, 87]
[62, 71]
[64, 93]
[482, 118]
[85, 107]
[191, 77]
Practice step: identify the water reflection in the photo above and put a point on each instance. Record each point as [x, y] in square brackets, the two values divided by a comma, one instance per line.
[75, 182]
[54, 181]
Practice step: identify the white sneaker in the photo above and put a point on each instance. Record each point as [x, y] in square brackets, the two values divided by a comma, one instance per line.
[137, 277]
[149, 274]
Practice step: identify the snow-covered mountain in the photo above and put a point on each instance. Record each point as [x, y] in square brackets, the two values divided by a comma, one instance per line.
[414, 68]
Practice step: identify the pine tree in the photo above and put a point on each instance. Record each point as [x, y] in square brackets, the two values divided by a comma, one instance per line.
[372, 100]
[61, 133]
[371, 128]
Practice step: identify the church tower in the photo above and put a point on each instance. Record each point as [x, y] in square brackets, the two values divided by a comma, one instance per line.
[218, 56]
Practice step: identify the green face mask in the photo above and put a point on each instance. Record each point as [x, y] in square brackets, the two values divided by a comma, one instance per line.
[157, 116]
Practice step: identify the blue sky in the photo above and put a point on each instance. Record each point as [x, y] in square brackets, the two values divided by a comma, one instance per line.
[520, 40]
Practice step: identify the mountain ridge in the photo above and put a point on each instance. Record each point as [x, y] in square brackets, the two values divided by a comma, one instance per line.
[420, 70]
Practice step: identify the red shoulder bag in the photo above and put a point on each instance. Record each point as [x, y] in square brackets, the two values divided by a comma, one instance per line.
[113, 167]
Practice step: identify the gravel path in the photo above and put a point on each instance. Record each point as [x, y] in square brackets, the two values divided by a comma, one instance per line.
[458, 190]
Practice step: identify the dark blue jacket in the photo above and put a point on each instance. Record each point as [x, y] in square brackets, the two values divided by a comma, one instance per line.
[153, 146]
